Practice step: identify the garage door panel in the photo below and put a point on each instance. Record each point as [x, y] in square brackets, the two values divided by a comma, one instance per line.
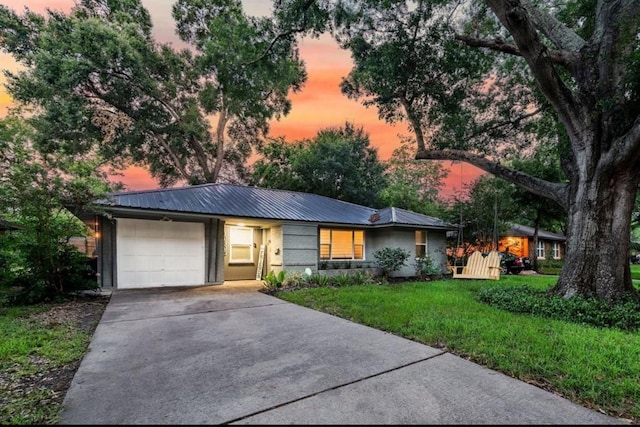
[181, 263]
[159, 253]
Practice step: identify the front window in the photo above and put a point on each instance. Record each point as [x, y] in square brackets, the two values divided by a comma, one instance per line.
[556, 250]
[240, 245]
[341, 244]
[540, 250]
[421, 243]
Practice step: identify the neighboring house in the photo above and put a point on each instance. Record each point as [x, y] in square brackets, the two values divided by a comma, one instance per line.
[519, 241]
[206, 234]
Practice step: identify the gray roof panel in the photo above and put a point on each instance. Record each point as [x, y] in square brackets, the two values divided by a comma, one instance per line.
[263, 203]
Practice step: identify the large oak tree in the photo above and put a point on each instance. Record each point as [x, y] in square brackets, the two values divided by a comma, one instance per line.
[565, 71]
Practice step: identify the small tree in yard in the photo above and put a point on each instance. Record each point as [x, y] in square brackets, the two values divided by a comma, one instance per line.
[36, 261]
[391, 259]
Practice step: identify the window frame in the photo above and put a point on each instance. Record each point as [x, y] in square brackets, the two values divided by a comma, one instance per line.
[424, 244]
[556, 250]
[233, 245]
[540, 250]
[329, 247]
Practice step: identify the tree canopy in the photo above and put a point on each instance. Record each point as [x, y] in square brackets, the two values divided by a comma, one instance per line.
[413, 184]
[338, 163]
[97, 74]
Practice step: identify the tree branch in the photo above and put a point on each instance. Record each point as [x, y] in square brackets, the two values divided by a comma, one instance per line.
[504, 123]
[516, 20]
[305, 7]
[564, 58]
[174, 158]
[560, 35]
[555, 191]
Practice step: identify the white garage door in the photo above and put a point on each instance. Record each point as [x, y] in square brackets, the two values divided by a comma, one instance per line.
[159, 253]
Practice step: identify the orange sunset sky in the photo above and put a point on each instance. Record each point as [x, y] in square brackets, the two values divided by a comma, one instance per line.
[318, 106]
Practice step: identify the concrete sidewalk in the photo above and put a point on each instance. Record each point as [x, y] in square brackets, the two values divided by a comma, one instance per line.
[233, 355]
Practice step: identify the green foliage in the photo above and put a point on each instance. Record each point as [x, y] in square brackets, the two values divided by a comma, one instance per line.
[98, 78]
[550, 266]
[319, 280]
[273, 280]
[36, 192]
[338, 163]
[589, 311]
[37, 344]
[425, 267]
[342, 279]
[413, 184]
[391, 259]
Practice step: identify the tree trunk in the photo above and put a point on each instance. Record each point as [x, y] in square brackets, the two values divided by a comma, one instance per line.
[599, 225]
[536, 237]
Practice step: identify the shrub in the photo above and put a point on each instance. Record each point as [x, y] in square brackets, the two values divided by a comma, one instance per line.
[425, 267]
[274, 281]
[33, 272]
[320, 280]
[592, 311]
[342, 279]
[391, 259]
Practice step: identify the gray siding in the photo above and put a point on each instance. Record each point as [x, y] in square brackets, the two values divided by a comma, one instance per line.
[437, 248]
[300, 247]
[405, 239]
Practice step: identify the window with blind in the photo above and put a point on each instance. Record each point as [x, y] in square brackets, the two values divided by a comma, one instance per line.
[341, 244]
[240, 245]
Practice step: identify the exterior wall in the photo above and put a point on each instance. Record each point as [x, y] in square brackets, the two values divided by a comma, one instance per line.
[405, 238]
[437, 248]
[214, 251]
[524, 246]
[393, 238]
[275, 253]
[300, 247]
[548, 250]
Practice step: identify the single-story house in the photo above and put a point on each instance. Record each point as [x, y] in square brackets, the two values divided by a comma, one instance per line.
[211, 233]
[519, 241]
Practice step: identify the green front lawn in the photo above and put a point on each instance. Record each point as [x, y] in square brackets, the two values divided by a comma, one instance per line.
[594, 367]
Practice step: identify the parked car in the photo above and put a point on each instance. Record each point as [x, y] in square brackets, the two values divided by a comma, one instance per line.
[513, 264]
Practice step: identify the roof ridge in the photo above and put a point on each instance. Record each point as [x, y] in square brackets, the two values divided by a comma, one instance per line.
[229, 184]
[161, 189]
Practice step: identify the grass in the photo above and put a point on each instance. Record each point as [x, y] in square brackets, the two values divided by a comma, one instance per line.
[39, 353]
[594, 367]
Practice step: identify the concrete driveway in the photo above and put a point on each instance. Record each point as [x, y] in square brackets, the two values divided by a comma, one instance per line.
[233, 355]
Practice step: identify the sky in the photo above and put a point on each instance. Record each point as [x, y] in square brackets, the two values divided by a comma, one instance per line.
[319, 105]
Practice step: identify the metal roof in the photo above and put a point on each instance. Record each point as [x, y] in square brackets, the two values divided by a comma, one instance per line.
[263, 203]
